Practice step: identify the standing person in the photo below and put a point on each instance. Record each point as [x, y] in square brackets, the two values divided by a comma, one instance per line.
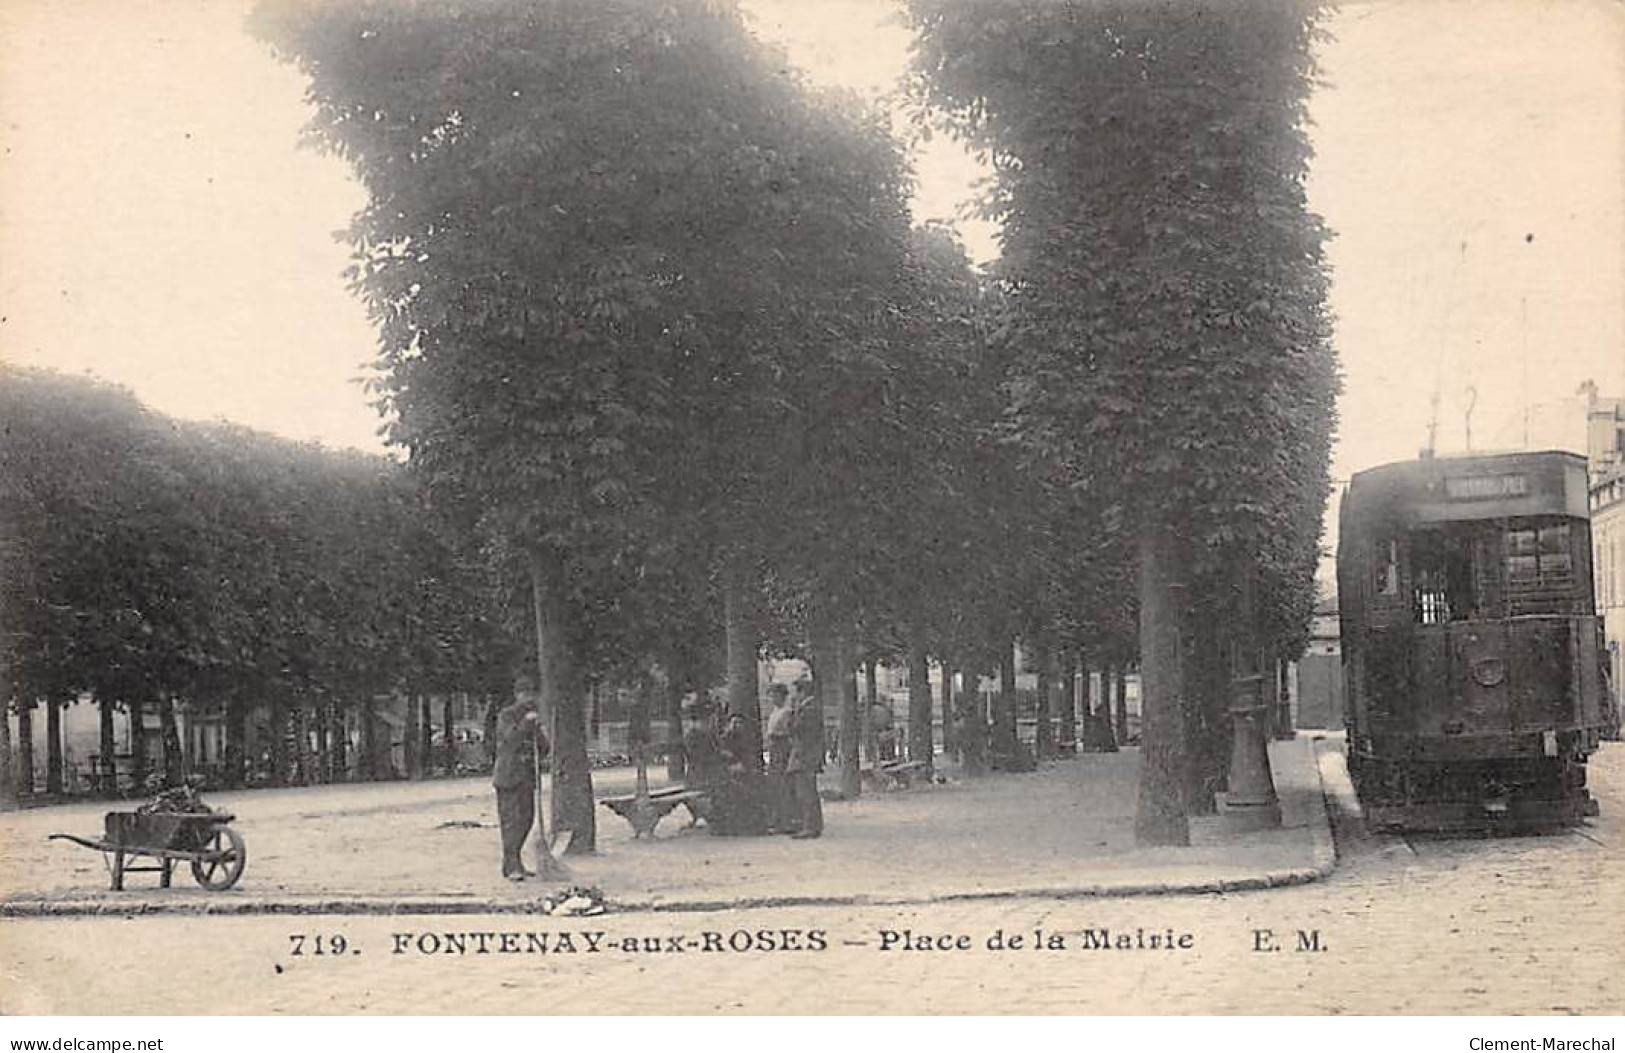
[779, 723]
[520, 743]
[806, 760]
[884, 725]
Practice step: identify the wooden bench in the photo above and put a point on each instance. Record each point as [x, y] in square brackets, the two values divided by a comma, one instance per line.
[896, 775]
[645, 813]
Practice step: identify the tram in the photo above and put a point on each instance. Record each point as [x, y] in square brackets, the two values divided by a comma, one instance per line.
[1472, 654]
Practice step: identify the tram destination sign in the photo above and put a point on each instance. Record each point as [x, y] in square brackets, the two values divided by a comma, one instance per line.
[1485, 487]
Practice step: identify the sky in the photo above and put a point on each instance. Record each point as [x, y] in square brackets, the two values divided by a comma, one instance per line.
[162, 228]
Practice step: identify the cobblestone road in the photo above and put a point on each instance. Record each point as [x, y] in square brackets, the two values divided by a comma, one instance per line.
[1524, 925]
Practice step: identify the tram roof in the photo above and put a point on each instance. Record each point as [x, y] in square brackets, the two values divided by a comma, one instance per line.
[1480, 486]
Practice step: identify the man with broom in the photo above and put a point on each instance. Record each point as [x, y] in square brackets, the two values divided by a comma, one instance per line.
[521, 745]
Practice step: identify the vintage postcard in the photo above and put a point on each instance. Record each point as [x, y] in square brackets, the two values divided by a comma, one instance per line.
[813, 507]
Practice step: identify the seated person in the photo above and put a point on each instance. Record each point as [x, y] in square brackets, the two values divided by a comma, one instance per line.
[705, 765]
[747, 788]
[710, 769]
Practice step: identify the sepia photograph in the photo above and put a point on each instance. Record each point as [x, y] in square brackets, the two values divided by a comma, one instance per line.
[830, 508]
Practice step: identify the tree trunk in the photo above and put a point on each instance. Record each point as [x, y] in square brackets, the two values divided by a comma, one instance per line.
[367, 763]
[341, 743]
[920, 745]
[851, 725]
[740, 627]
[637, 735]
[322, 736]
[871, 695]
[1271, 687]
[950, 737]
[1209, 730]
[277, 717]
[1159, 817]
[8, 768]
[1197, 759]
[1103, 707]
[1120, 686]
[426, 755]
[186, 731]
[563, 704]
[53, 746]
[829, 670]
[329, 722]
[297, 764]
[409, 736]
[236, 767]
[493, 706]
[676, 762]
[1068, 694]
[1043, 731]
[1111, 734]
[448, 725]
[309, 720]
[1083, 689]
[140, 762]
[411, 756]
[25, 748]
[638, 720]
[1280, 700]
[1283, 699]
[294, 732]
[973, 740]
[106, 748]
[174, 768]
[320, 723]
[1006, 741]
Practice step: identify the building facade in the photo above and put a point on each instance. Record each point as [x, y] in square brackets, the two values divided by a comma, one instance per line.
[1318, 696]
[1605, 454]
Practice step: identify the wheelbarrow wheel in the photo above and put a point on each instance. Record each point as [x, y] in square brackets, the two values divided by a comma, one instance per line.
[221, 862]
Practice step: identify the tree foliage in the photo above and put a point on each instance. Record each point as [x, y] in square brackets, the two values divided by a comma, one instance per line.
[1166, 285]
[149, 559]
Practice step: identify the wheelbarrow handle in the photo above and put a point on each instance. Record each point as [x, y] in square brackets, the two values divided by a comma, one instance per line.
[100, 846]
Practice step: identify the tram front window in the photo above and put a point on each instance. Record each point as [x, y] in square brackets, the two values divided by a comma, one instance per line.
[1442, 575]
[1540, 572]
[1490, 569]
[1539, 556]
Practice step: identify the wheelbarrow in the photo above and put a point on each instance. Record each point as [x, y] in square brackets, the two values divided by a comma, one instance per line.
[203, 839]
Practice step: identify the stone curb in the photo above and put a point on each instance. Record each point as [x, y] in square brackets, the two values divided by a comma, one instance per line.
[1320, 823]
[1324, 856]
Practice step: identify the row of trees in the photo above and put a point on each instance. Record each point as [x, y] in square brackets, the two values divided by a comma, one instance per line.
[659, 341]
[654, 318]
[1165, 293]
[149, 563]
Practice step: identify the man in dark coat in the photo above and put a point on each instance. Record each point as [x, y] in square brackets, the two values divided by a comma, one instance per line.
[805, 762]
[519, 743]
